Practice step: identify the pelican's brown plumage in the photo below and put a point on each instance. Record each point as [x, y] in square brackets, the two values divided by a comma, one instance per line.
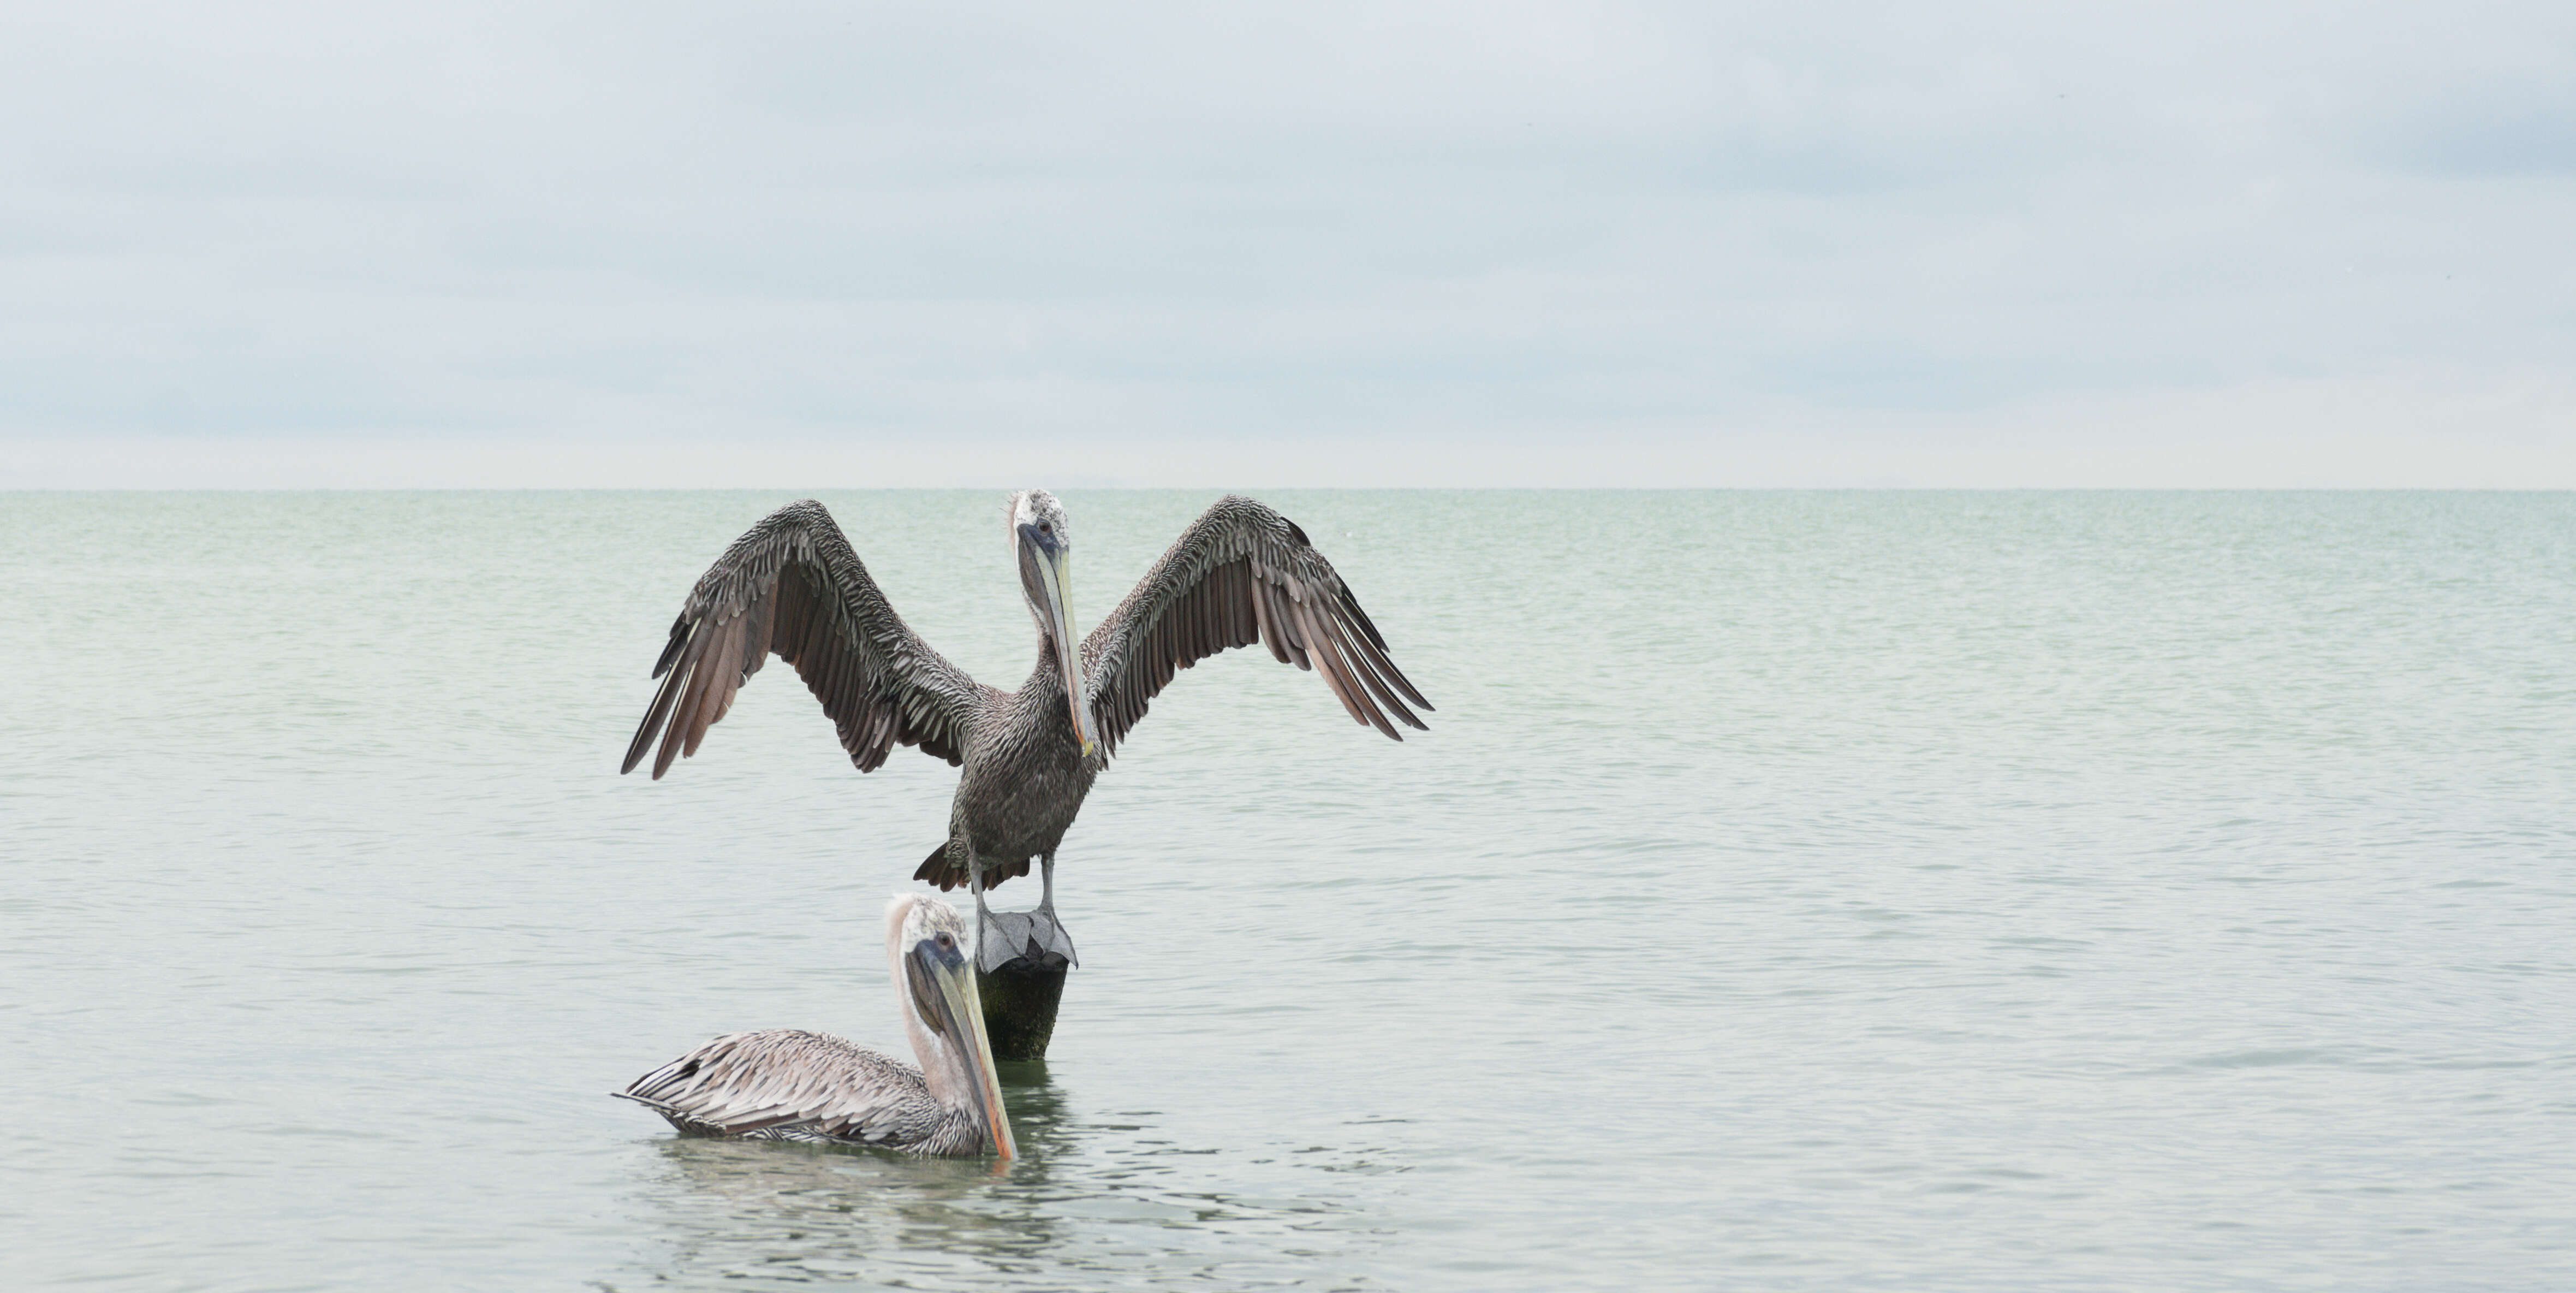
[1240, 574]
[787, 1084]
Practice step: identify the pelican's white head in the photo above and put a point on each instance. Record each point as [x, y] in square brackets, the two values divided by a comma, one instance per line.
[934, 974]
[1042, 545]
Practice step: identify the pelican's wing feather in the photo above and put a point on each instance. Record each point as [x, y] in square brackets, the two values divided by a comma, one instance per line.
[1241, 574]
[793, 586]
[788, 1084]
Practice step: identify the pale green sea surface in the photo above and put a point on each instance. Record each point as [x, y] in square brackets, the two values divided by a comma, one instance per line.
[1795, 891]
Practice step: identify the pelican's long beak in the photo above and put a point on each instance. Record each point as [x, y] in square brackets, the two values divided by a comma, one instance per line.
[960, 1019]
[1056, 569]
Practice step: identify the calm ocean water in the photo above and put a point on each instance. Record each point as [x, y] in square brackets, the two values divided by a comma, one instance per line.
[1795, 891]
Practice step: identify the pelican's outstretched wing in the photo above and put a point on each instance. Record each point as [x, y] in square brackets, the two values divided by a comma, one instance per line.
[788, 1084]
[1240, 574]
[792, 585]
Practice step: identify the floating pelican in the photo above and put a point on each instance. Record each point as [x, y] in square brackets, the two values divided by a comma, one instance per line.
[787, 1084]
[1240, 574]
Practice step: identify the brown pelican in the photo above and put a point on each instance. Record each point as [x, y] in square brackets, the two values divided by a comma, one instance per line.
[1240, 574]
[787, 1084]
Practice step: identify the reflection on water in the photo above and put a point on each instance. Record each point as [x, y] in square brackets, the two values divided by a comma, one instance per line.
[761, 1210]
[753, 1209]
[745, 1213]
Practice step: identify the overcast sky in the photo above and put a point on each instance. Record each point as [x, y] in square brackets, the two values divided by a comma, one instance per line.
[810, 246]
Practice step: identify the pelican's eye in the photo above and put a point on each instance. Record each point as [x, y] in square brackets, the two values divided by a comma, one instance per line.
[947, 942]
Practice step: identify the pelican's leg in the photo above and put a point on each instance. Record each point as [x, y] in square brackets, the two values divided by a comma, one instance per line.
[1046, 906]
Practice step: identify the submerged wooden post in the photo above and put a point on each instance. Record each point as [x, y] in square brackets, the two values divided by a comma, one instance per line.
[1021, 959]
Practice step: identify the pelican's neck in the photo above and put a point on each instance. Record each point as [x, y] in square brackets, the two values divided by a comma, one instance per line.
[943, 1067]
[951, 1085]
[936, 1063]
[1047, 679]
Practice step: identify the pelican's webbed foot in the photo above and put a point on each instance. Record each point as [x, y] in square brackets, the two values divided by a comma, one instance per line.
[1034, 938]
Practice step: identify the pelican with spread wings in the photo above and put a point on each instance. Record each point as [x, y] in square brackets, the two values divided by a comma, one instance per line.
[1240, 574]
